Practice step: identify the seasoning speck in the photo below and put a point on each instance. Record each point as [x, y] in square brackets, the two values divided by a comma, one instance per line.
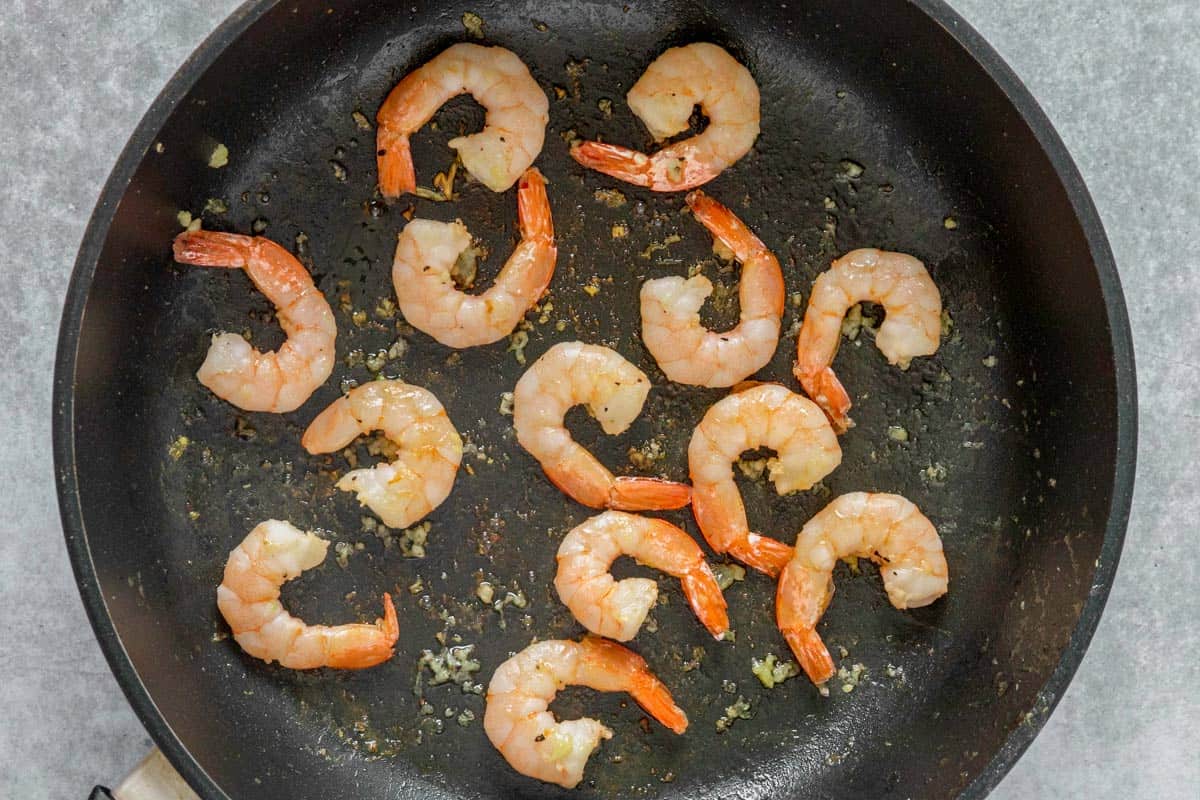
[360, 119]
[728, 574]
[853, 169]
[613, 198]
[474, 25]
[178, 447]
[950, 223]
[516, 346]
[897, 433]
[219, 157]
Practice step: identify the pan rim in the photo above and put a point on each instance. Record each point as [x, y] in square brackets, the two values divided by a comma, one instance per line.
[211, 49]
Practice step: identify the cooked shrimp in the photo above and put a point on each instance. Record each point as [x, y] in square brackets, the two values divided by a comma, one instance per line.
[531, 740]
[912, 326]
[885, 528]
[430, 449]
[280, 381]
[248, 597]
[687, 352]
[428, 297]
[616, 609]
[765, 415]
[663, 98]
[613, 390]
[513, 130]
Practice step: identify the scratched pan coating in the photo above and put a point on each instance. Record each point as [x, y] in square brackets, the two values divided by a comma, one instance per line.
[878, 129]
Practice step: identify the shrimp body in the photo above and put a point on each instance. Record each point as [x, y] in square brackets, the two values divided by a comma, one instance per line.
[613, 391]
[520, 726]
[514, 128]
[912, 325]
[429, 300]
[687, 352]
[616, 609]
[765, 415]
[663, 98]
[430, 449]
[233, 370]
[248, 598]
[887, 529]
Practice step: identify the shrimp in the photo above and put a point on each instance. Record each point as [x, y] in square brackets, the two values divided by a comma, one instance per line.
[671, 329]
[280, 381]
[663, 98]
[764, 415]
[613, 390]
[513, 131]
[248, 597]
[912, 327]
[532, 741]
[430, 449]
[616, 609]
[885, 528]
[427, 250]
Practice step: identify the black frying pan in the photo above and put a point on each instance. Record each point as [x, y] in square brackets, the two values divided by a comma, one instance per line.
[1021, 429]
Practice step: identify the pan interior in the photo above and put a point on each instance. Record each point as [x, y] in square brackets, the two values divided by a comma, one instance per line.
[878, 130]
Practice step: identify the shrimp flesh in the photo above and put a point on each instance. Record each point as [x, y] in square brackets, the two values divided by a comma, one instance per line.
[687, 352]
[532, 741]
[764, 415]
[430, 449]
[663, 98]
[912, 325]
[513, 130]
[885, 528]
[616, 609]
[248, 597]
[280, 381]
[429, 300]
[613, 390]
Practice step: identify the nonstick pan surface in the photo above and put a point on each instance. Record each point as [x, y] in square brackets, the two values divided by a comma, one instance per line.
[884, 124]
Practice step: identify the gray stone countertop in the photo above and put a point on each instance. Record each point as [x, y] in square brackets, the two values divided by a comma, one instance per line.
[1119, 79]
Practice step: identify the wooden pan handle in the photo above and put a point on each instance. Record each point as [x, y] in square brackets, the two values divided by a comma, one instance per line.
[153, 779]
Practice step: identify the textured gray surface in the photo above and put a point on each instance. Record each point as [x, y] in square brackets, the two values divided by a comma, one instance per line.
[1117, 77]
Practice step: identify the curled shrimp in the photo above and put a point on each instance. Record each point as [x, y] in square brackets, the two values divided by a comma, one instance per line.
[885, 528]
[765, 415]
[517, 720]
[616, 609]
[613, 391]
[280, 381]
[430, 449]
[663, 98]
[912, 325]
[513, 131]
[687, 352]
[248, 597]
[426, 253]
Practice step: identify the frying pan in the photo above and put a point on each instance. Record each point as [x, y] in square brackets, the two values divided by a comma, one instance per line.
[886, 124]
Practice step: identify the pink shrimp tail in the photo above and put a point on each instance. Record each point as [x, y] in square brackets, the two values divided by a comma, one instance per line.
[533, 206]
[762, 553]
[827, 391]
[212, 249]
[812, 654]
[394, 161]
[619, 162]
[648, 494]
[704, 595]
[374, 650]
[723, 224]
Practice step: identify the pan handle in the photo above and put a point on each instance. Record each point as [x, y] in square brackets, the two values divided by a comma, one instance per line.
[153, 779]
